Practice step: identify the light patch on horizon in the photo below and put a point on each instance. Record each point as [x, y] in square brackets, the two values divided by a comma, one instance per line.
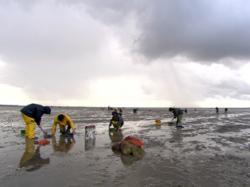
[13, 95]
[223, 102]
[124, 91]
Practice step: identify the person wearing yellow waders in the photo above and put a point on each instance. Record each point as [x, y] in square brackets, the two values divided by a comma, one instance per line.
[32, 115]
[116, 120]
[65, 123]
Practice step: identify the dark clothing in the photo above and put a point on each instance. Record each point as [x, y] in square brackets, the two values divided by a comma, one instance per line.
[121, 120]
[117, 120]
[63, 129]
[34, 111]
[177, 112]
[217, 110]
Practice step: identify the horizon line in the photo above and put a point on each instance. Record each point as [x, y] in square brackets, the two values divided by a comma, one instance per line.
[74, 106]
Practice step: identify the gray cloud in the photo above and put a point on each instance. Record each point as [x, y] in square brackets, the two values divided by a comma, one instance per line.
[54, 47]
[204, 31]
[51, 50]
[230, 88]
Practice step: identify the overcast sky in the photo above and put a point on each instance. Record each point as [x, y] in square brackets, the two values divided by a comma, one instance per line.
[148, 53]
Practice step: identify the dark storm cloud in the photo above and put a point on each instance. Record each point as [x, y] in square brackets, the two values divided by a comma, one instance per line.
[201, 30]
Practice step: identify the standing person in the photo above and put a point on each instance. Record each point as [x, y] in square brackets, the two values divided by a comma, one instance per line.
[186, 111]
[226, 109]
[135, 110]
[65, 124]
[178, 113]
[217, 110]
[32, 115]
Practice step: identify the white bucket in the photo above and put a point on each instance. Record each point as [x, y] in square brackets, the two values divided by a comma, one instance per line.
[90, 132]
[89, 137]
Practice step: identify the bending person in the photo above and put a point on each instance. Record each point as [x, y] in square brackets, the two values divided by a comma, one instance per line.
[178, 113]
[65, 123]
[32, 115]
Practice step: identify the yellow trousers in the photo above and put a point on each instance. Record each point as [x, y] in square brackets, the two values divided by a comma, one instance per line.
[30, 126]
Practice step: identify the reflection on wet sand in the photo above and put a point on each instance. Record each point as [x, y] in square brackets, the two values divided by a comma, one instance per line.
[65, 144]
[177, 136]
[115, 135]
[89, 143]
[31, 158]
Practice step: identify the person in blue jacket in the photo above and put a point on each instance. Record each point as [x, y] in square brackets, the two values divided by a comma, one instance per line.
[32, 115]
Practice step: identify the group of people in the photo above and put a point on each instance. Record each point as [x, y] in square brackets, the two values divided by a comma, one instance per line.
[130, 145]
[217, 110]
[32, 115]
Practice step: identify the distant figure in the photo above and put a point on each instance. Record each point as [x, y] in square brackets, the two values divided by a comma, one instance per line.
[65, 124]
[135, 110]
[120, 111]
[226, 109]
[32, 115]
[217, 110]
[116, 120]
[178, 113]
[110, 108]
[186, 111]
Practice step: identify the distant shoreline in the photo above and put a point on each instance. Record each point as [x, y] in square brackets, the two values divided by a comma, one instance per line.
[192, 108]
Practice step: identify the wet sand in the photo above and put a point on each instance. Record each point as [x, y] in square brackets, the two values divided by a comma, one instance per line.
[211, 150]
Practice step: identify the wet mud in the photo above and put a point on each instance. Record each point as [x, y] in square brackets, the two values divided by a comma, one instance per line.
[211, 150]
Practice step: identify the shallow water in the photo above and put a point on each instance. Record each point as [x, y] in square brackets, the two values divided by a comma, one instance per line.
[211, 150]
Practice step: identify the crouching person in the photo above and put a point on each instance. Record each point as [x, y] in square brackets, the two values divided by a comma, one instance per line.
[65, 124]
[116, 120]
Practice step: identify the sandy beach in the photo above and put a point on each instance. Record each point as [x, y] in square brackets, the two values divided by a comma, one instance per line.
[211, 150]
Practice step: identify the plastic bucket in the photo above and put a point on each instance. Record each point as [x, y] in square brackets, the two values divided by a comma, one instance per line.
[158, 122]
[90, 132]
